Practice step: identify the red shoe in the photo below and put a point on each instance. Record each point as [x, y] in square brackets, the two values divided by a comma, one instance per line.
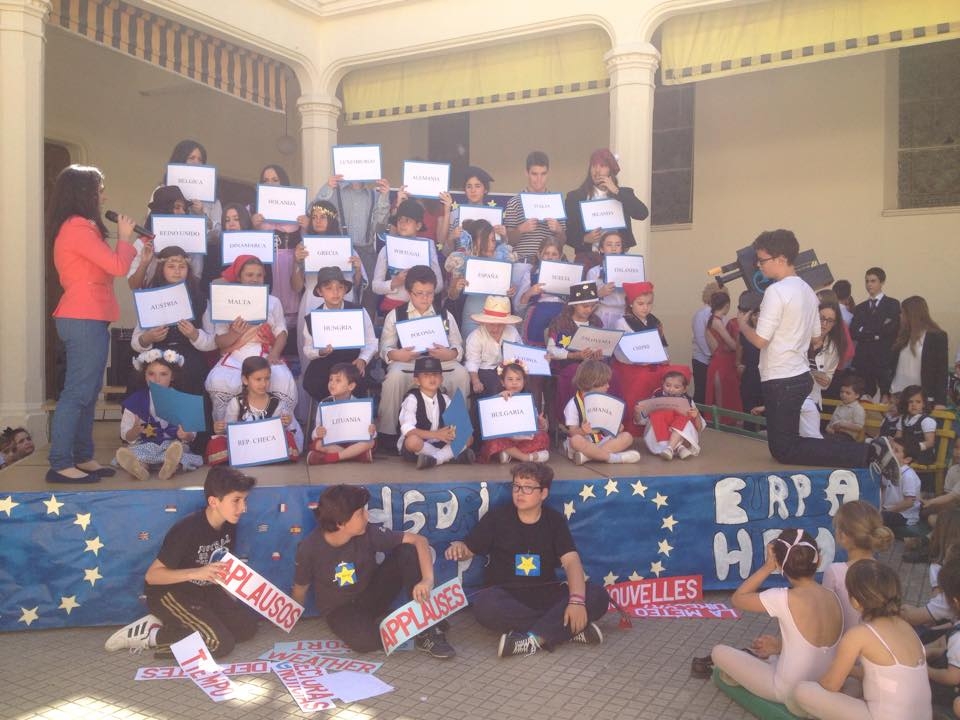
[316, 457]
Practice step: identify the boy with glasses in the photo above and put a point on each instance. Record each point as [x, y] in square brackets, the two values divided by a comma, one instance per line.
[522, 598]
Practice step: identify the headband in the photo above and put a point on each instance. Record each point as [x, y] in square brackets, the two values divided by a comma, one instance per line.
[515, 361]
[171, 357]
[798, 540]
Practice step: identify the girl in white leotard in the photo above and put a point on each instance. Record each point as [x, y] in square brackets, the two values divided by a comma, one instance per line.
[894, 668]
[810, 618]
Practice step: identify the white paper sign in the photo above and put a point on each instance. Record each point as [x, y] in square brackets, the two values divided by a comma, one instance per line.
[675, 404]
[604, 412]
[196, 182]
[557, 277]
[487, 277]
[260, 442]
[535, 358]
[618, 269]
[422, 333]
[327, 251]
[281, 204]
[543, 206]
[350, 686]
[258, 593]
[228, 301]
[305, 685]
[644, 347]
[258, 243]
[605, 214]
[162, 306]
[346, 421]
[403, 253]
[357, 163]
[317, 646]
[169, 672]
[196, 660]
[426, 179]
[589, 337]
[330, 663]
[411, 619]
[492, 214]
[506, 417]
[340, 329]
[188, 232]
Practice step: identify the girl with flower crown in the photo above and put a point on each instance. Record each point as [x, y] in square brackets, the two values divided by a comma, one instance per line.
[522, 448]
[152, 440]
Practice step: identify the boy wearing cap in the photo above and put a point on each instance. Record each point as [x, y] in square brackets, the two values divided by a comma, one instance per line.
[332, 287]
[390, 284]
[483, 351]
[424, 437]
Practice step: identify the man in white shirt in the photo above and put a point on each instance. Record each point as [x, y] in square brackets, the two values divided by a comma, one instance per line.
[788, 323]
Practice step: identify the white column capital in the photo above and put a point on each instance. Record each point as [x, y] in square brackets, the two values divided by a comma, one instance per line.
[319, 111]
[632, 63]
[24, 15]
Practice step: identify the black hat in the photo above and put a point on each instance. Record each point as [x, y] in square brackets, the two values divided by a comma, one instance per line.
[585, 292]
[426, 364]
[329, 274]
[410, 209]
[164, 197]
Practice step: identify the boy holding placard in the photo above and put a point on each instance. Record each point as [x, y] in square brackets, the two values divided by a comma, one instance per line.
[389, 283]
[525, 542]
[424, 437]
[351, 590]
[181, 583]
[341, 383]
[585, 443]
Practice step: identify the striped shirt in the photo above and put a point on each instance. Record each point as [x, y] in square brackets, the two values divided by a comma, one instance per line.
[529, 244]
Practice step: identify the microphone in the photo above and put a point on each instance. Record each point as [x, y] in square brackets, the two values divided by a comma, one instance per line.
[141, 231]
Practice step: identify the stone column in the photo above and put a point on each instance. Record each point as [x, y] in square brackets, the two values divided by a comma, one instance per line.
[632, 68]
[21, 215]
[318, 129]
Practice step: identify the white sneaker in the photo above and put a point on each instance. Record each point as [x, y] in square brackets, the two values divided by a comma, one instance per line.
[627, 456]
[541, 456]
[135, 636]
[131, 463]
[683, 452]
[171, 460]
[504, 457]
[579, 458]
[666, 454]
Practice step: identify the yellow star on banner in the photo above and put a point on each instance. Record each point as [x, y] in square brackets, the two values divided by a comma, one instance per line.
[83, 519]
[28, 616]
[639, 488]
[586, 493]
[527, 565]
[53, 505]
[345, 575]
[610, 578]
[664, 547]
[657, 568]
[93, 545]
[568, 509]
[634, 576]
[68, 603]
[8, 505]
[669, 522]
[611, 487]
[659, 500]
[92, 574]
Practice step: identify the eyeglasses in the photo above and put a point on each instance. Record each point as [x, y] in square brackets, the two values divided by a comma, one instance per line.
[525, 489]
[761, 261]
[424, 294]
[827, 321]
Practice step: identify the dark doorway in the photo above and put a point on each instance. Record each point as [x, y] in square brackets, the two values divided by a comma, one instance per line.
[55, 158]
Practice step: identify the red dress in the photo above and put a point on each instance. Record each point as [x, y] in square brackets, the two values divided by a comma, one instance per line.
[722, 371]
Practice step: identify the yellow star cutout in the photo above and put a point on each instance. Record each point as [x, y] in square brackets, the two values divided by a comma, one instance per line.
[345, 575]
[568, 509]
[635, 576]
[586, 493]
[664, 547]
[92, 574]
[611, 487]
[565, 340]
[53, 505]
[149, 431]
[68, 603]
[659, 500]
[28, 615]
[93, 545]
[668, 523]
[83, 519]
[639, 488]
[610, 578]
[657, 568]
[8, 505]
[527, 565]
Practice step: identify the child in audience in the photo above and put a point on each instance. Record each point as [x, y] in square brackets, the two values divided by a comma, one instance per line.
[670, 432]
[809, 615]
[537, 307]
[950, 675]
[899, 500]
[424, 436]
[585, 444]
[482, 355]
[849, 417]
[152, 440]
[950, 497]
[612, 299]
[944, 544]
[915, 423]
[892, 660]
[578, 312]
[341, 383]
[891, 418]
[525, 448]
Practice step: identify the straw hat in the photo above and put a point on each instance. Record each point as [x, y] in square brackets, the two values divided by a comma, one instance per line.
[496, 310]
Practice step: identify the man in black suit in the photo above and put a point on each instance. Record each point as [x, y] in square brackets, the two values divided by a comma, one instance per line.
[875, 324]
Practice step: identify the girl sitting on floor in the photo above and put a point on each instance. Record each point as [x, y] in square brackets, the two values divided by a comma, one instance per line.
[672, 432]
[525, 448]
[585, 444]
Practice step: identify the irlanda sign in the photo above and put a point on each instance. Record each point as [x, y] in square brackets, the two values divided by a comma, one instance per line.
[245, 583]
[413, 618]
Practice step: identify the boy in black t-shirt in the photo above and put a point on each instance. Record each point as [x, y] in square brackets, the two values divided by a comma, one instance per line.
[181, 588]
[351, 591]
[522, 598]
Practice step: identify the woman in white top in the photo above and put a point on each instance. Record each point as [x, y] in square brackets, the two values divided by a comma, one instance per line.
[824, 361]
[919, 353]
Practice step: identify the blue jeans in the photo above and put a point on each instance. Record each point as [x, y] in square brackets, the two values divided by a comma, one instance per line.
[87, 343]
[783, 398]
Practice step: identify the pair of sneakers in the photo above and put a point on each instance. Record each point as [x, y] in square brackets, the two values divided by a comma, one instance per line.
[466, 457]
[541, 456]
[882, 461]
[513, 643]
[433, 641]
[135, 637]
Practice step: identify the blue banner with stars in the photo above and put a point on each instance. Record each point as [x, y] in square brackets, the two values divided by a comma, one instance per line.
[79, 558]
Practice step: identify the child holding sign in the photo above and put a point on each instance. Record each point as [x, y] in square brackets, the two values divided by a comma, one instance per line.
[341, 383]
[584, 444]
[578, 312]
[391, 284]
[152, 440]
[612, 299]
[351, 590]
[675, 431]
[181, 584]
[526, 448]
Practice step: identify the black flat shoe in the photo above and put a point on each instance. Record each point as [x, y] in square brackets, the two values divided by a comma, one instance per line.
[102, 471]
[701, 667]
[56, 477]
